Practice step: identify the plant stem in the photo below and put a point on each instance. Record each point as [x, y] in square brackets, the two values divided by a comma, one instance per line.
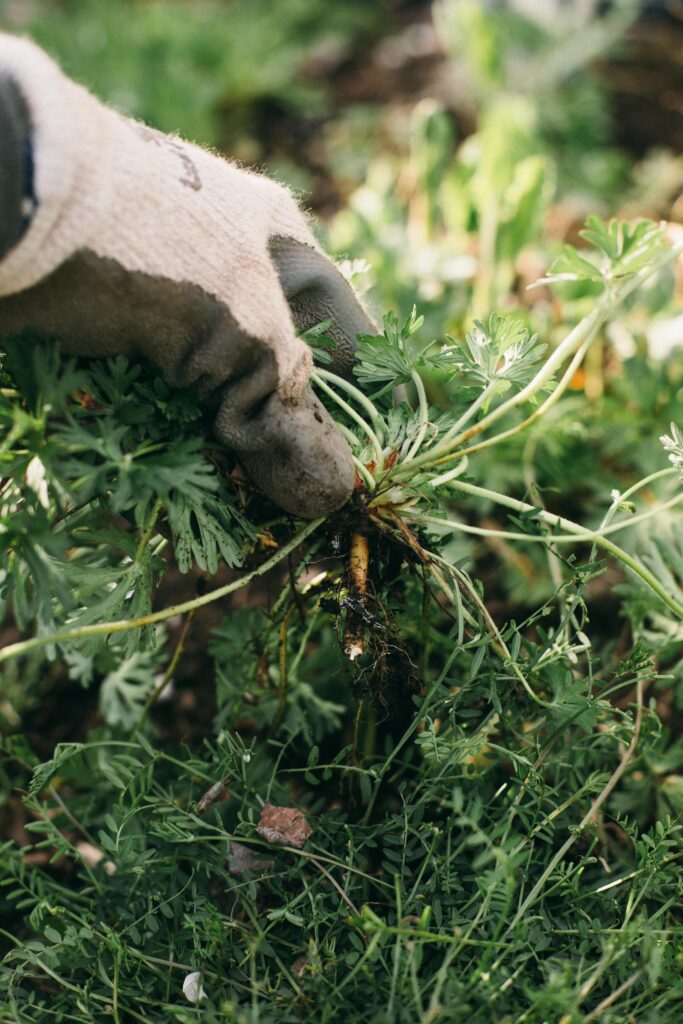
[364, 473]
[613, 996]
[645, 575]
[580, 532]
[62, 636]
[424, 630]
[497, 640]
[351, 412]
[148, 530]
[424, 416]
[578, 340]
[282, 672]
[594, 807]
[542, 409]
[553, 560]
[170, 669]
[450, 475]
[319, 375]
[427, 558]
[468, 414]
[632, 490]
[550, 538]
[362, 469]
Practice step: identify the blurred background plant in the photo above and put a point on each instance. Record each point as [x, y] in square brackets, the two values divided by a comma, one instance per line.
[474, 849]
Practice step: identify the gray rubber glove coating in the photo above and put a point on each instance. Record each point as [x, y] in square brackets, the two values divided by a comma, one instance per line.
[145, 245]
[14, 143]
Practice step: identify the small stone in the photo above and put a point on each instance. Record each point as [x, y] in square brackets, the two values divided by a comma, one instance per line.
[285, 826]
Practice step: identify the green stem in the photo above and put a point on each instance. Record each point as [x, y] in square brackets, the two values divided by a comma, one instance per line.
[576, 338]
[645, 575]
[451, 474]
[579, 531]
[352, 414]
[364, 473]
[319, 375]
[115, 990]
[638, 486]
[498, 642]
[166, 677]
[14, 650]
[148, 531]
[427, 936]
[553, 560]
[551, 538]
[424, 639]
[588, 817]
[468, 414]
[363, 470]
[550, 401]
[424, 416]
[282, 672]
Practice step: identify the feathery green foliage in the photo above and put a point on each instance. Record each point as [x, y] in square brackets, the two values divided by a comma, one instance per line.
[480, 839]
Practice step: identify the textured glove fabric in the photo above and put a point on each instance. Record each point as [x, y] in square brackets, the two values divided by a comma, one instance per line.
[146, 245]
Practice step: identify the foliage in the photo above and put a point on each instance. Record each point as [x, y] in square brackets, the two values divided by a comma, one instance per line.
[483, 828]
[451, 223]
[178, 64]
[496, 355]
[89, 462]
[619, 249]
[543, 53]
[431, 885]
[467, 679]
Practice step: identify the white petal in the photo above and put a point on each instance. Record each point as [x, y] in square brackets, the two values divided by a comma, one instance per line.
[193, 990]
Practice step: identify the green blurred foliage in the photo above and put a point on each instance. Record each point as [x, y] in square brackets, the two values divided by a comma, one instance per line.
[541, 51]
[197, 67]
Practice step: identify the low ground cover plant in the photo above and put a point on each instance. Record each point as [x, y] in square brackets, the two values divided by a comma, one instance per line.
[438, 779]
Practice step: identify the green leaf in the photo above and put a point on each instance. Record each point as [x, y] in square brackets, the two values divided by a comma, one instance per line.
[387, 359]
[126, 687]
[619, 250]
[320, 343]
[499, 354]
[44, 377]
[205, 527]
[43, 773]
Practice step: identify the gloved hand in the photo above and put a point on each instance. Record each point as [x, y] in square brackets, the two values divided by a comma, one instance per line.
[116, 238]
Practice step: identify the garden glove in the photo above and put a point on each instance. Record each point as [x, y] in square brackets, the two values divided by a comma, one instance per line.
[116, 238]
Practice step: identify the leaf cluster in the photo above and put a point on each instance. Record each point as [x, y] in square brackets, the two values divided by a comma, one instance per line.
[388, 359]
[498, 354]
[94, 459]
[618, 249]
[441, 841]
[465, 837]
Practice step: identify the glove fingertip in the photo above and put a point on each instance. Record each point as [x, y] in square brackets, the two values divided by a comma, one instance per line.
[296, 456]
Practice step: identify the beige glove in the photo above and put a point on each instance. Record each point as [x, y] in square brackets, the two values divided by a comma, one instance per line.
[143, 244]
